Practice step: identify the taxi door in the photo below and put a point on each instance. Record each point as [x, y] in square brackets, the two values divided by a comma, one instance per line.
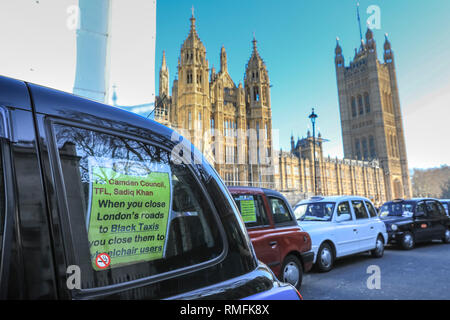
[254, 210]
[346, 231]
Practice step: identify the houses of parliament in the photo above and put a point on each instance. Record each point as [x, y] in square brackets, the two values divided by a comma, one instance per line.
[232, 124]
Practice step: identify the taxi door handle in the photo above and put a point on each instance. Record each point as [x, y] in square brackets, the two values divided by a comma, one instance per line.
[273, 243]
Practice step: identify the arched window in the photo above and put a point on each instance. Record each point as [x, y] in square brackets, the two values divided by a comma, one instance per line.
[358, 149]
[367, 102]
[372, 148]
[392, 145]
[353, 107]
[255, 94]
[360, 105]
[189, 76]
[365, 149]
[397, 152]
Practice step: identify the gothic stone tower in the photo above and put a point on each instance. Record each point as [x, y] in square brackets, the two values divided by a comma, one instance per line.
[259, 115]
[371, 119]
[231, 125]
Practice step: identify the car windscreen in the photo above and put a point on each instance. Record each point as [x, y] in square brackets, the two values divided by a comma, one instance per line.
[320, 211]
[397, 209]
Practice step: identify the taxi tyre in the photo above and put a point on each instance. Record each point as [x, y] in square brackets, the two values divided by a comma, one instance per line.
[446, 238]
[320, 264]
[292, 264]
[378, 252]
[407, 242]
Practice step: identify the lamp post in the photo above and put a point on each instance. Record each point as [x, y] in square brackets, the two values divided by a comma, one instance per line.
[313, 118]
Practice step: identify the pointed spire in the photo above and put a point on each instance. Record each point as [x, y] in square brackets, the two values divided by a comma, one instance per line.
[164, 64]
[338, 49]
[387, 44]
[255, 52]
[388, 54]
[192, 20]
[369, 34]
[223, 59]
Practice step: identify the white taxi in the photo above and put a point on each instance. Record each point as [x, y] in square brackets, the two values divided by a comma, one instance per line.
[340, 226]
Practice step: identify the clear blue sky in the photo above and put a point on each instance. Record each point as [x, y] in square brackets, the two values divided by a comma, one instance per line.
[296, 38]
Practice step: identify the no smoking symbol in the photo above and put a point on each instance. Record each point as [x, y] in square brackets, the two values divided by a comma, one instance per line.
[102, 260]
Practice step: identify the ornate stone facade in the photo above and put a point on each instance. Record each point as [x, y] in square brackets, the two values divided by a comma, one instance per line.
[231, 125]
[294, 173]
[371, 119]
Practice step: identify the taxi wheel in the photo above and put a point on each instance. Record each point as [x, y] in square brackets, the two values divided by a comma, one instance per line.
[379, 248]
[407, 242]
[292, 271]
[325, 258]
[446, 238]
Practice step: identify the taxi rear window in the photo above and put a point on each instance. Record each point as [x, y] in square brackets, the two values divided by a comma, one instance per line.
[133, 212]
[252, 209]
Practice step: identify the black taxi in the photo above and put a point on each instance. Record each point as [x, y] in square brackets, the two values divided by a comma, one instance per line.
[416, 220]
[100, 203]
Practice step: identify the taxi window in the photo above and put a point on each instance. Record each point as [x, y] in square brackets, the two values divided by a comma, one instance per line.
[252, 210]
[372, 211]
[133, 213]
[280, 212]
[432, 208]
[343, 208]
[360, 210]
[441, 209]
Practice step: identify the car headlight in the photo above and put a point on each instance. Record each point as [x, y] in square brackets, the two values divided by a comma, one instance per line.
[394, 227]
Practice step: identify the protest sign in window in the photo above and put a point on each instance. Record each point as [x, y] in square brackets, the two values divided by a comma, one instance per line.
[131, 212]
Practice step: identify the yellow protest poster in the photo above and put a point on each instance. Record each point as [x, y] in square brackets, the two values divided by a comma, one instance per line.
[247, 207]
[129, 211]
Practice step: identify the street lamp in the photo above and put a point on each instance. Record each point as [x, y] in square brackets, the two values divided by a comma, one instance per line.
[313, 118]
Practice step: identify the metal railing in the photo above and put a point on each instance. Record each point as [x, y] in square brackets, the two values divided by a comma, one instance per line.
[257, 184]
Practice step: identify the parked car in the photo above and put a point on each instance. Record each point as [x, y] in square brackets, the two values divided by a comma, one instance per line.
[100, 203]
[340, 226]
[446, 204]
[278, 240]
[411, 221]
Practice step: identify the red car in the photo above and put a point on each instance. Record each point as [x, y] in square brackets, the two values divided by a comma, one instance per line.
[277, 239]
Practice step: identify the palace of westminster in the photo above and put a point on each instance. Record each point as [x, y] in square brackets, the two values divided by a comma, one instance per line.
[232, 125]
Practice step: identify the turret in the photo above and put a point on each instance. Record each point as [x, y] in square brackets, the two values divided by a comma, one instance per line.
[388, 54]
[339, 59]
[370, 41]
[257, 80]
[223, 60]
[164, 77]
